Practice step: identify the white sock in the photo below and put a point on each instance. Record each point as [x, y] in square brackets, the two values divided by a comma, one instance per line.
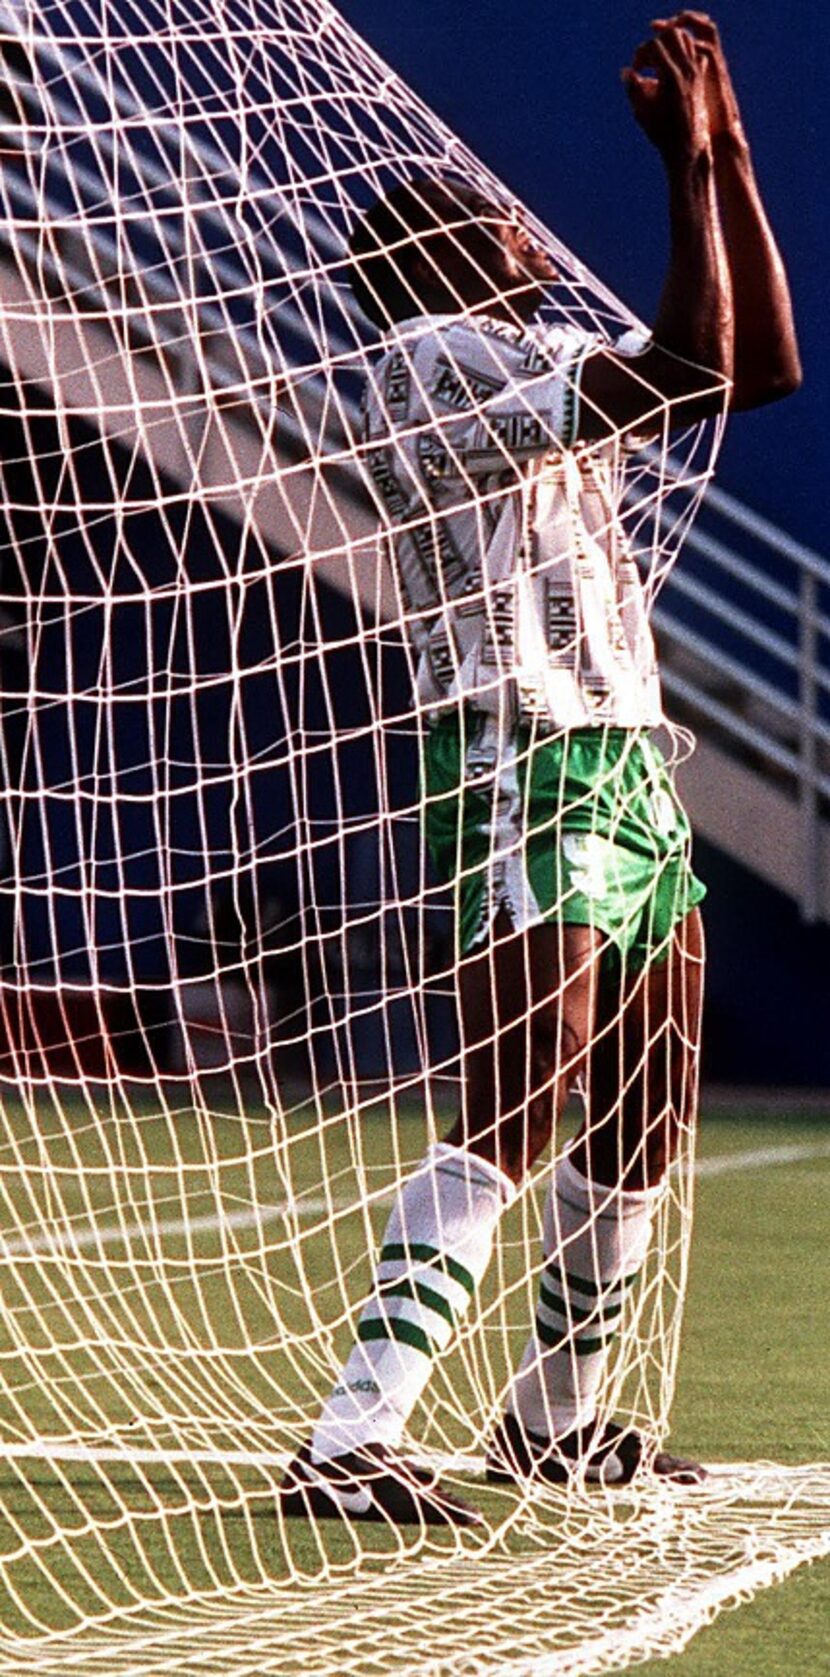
[595, 1242]
[435, 1250]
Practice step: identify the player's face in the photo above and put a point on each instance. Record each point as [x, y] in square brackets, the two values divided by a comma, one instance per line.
[522, 257]
[515, 269]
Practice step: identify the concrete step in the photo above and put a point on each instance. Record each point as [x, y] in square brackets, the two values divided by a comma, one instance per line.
[759, 823]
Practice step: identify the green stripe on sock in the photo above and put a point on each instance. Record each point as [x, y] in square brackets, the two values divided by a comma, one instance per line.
[584, 1347]
[581, 1346]
[430, 1255]
[549, 1336]
[422, 1295]
[574, 1312]
[393, 1327]
[592, 1289]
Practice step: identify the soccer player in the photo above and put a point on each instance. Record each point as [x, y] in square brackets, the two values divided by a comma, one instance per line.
[546, 806]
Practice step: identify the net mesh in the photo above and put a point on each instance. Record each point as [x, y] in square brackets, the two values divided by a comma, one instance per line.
[229, 1021]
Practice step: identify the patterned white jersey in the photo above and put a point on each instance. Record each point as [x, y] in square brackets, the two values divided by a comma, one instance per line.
[520, 594]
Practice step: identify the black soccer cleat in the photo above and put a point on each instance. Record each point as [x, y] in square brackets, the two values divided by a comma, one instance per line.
[611, 1456]
[372, 1483]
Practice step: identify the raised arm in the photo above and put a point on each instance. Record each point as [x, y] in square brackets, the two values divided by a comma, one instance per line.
[689, 361]
[767, 363]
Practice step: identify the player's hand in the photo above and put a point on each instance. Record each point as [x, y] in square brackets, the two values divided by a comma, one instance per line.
[721, 100]
[666, 87]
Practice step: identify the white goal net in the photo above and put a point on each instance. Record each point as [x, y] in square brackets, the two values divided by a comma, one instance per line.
[229, 998]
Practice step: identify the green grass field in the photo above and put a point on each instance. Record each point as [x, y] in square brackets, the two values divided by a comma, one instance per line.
[755, 1367]
[754, 1374]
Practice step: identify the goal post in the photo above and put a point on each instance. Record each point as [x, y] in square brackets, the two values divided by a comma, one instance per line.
[229, 973]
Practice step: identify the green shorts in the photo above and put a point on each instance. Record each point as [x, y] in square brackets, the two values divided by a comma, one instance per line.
[583, 827]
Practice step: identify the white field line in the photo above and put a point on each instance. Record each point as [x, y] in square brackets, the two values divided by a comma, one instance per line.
[789, 1153]
[765, 1477]
[117, 1234]
[44, 1450]
[78, 1240]
[72, 1240]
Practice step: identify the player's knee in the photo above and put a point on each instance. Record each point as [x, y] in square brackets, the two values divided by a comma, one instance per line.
[556, 1052]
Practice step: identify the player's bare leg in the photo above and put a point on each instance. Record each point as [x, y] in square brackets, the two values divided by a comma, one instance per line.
[642, 1071]
[641, 1085]
[527, 1005]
